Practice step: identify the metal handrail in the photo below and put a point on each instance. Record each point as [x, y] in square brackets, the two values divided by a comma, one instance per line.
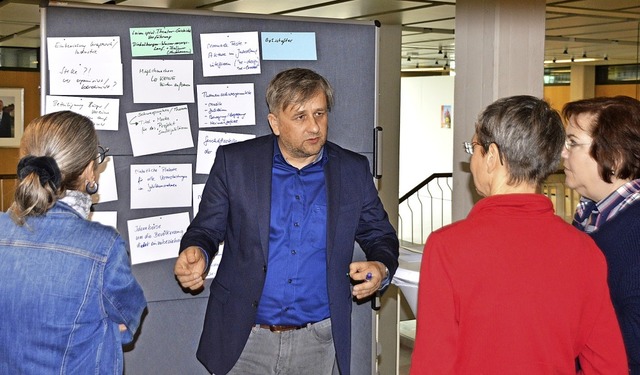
[417, 219]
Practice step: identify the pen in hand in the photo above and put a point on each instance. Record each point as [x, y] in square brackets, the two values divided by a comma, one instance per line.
[368, 277]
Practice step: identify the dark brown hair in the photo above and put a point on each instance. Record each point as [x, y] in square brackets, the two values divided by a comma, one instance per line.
[615, 130]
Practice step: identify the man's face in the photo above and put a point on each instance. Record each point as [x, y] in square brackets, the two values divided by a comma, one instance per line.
[301, 130]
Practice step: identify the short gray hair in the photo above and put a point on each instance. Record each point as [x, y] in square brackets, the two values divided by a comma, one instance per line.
[529, 135]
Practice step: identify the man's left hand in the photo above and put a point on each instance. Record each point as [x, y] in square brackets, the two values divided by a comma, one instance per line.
[370, 273]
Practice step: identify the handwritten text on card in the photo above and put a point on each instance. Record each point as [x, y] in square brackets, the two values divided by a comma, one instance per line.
[225, 54]
[226, 105]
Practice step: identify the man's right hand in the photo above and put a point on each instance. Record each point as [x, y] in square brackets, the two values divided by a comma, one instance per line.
[190, 267]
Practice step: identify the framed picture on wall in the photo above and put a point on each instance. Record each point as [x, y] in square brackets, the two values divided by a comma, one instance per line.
[11, 116]
[445, 116]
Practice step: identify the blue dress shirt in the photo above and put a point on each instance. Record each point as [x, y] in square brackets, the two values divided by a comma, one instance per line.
[295, 290]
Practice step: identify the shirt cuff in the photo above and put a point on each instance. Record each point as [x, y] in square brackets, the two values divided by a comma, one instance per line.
[206, 257]
[386, 281]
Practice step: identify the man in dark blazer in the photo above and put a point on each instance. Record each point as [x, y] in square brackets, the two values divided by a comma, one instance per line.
[6, 122]
[289, 207]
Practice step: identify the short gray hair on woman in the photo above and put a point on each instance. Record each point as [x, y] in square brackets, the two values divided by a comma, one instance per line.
[71, 141]
[529, 135]
[296, 86]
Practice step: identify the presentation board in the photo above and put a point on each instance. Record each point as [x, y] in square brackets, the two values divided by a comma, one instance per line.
[165, 88]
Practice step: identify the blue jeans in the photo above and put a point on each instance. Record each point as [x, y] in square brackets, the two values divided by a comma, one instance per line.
[303, 351]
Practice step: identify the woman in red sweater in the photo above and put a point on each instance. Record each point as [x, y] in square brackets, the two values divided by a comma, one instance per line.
[513, 289]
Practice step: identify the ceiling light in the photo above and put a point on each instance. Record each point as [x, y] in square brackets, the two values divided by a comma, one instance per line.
[562, 61]
[584, 55]
[566, 51]
[440, 50]
[606, 58]
[445, 55]
[409, 58]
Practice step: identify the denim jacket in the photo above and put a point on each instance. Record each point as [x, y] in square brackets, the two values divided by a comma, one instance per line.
[65, 286]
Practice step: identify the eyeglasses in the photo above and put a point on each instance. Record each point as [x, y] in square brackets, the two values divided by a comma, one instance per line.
[102, 154]
[468, 147]
[569, 144]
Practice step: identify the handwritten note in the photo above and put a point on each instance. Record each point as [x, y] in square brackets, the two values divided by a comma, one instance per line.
[157, 186]
[208, 143]
[225, 54]
[160, 41]
[159, 130]
[85, 66]
[288, 46]
[156, 238]
[226, 105]
[85, 79]
[103, 112]
[162, 81]
[101, 50]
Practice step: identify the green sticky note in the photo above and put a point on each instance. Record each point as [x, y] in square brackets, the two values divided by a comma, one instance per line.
[161, 41]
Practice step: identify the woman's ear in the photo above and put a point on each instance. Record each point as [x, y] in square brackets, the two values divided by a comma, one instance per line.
[89, 173]
[492, 158]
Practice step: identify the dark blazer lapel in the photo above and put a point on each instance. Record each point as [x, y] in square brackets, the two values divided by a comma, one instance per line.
[333, 180]
[261, 168]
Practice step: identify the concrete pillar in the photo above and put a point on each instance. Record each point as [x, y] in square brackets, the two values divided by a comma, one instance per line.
[583, 82]
[499, 52]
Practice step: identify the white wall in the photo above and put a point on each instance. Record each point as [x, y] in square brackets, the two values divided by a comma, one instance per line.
[425, 147]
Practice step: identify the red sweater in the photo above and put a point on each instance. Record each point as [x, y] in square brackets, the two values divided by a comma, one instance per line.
[513, 289]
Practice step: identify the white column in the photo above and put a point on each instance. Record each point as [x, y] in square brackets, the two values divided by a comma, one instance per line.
[499, 52]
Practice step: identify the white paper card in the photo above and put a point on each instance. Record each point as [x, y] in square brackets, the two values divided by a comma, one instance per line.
[82, 78]
[225, 54]
[162, 81]
[102, 111]
[156, 238]
[208, 143]
[101, 50]
[226, 105]
[160, 185]
[159, 130]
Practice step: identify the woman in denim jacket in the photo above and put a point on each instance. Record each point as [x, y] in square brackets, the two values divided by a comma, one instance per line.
[68, 299]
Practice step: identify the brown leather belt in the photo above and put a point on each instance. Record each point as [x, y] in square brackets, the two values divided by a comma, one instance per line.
[277, 328]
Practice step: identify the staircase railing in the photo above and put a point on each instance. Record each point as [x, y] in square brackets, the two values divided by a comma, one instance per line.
[427, 206]
[424, 209]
